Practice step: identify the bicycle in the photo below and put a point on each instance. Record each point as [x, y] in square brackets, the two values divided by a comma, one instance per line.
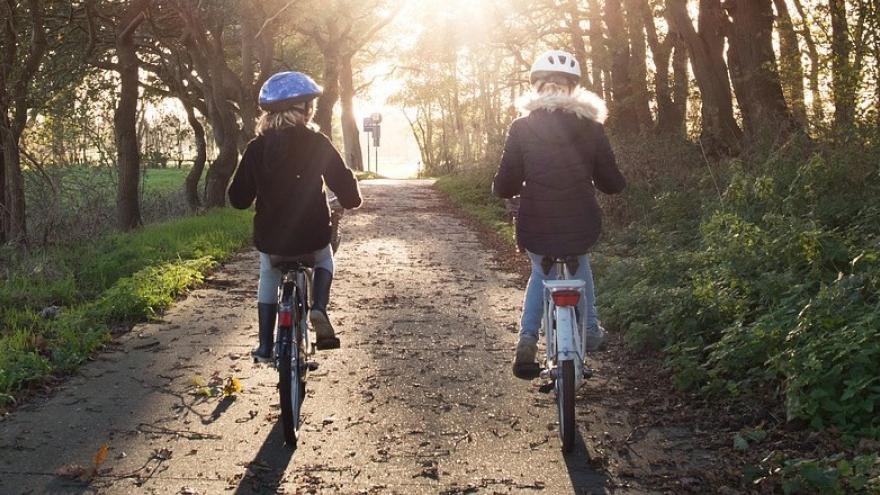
[293, 347]
[566, 343]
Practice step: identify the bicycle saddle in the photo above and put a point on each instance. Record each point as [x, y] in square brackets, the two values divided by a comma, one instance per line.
[291, 263]
[571, 262]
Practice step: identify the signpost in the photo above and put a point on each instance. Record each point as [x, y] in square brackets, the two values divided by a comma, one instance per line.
[372, 124]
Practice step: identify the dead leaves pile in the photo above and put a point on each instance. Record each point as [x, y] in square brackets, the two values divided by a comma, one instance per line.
[216, 386]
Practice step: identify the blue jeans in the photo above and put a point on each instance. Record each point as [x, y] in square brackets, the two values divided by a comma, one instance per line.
[270, 277]
[533, 304]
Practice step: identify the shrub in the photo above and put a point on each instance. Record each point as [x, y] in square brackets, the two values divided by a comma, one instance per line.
[774, 292]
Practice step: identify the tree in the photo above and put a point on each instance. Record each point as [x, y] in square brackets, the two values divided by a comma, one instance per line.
[754, 71]
[671, 95]
[598, 53]
[791, 71]
[720, 134]
[340, 32]
[624, 116]
[125, 118]
[15, 101]
[815, 64]
[638, 65]
[841, 71]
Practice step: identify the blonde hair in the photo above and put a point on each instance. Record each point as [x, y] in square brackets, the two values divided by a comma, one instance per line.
[554, 85]
[300, 114]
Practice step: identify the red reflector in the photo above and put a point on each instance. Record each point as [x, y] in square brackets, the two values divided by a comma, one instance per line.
[566, 297]
[284, 319]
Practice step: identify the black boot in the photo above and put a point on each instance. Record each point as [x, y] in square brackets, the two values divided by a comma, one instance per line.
[326, 337]
[266, 314]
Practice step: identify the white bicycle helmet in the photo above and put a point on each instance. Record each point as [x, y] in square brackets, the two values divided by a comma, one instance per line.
[556, 62]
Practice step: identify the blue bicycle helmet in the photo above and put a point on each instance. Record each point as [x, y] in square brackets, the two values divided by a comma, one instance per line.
[285, 89]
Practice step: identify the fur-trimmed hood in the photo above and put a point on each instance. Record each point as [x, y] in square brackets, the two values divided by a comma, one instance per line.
[583, 103]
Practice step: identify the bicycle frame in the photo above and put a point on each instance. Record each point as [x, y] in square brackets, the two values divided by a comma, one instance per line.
[564, 333]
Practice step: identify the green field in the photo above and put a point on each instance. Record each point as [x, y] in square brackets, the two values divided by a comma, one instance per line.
[164, 180]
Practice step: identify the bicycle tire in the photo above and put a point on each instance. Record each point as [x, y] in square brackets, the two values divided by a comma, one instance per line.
[289, 385]
[565, 404]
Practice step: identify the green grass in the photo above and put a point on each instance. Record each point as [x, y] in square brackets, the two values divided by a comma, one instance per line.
[164, 180]
[472, 192]
[118, 280]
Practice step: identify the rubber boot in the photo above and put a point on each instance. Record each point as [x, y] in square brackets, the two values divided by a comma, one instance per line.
[524, 365]
[266, 314]
[326, 336]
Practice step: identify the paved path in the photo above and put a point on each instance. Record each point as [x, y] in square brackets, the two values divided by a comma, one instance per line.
[418, 400]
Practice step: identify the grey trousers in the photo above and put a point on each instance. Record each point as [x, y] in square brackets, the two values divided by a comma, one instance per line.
[270, 277]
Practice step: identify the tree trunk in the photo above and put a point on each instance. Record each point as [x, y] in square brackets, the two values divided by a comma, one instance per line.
[598, 58]
[248, 104]
[16, 218]
[3, 219]
[669, 118]
[681, 81]
[841, 69]
[324, 113]
[720, 134]
[576, 37]
[791, 71]
[128, 212]
[623, 117]
[350, 134]
[753, 70]
[815, 64]
[191, 185]
[638, 66]
[226, 131]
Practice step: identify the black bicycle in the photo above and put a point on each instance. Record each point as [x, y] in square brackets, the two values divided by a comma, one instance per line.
[292, 346]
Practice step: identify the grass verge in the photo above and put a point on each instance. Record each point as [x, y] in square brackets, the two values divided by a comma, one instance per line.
[472, 192]
[59, 306]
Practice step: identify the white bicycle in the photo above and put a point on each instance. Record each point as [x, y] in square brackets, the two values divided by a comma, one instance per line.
[566, 343]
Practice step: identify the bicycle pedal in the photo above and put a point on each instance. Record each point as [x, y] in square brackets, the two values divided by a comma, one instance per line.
[313, 366]
[546, 388]
[588, 373]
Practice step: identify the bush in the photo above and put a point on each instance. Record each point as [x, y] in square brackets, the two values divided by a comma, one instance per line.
[773, 293]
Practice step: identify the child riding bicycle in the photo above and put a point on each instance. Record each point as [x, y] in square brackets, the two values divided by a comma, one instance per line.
[555, 157]
[285, 169]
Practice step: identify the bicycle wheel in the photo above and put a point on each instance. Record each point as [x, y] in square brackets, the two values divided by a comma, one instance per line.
[291, 396]
[565, 404]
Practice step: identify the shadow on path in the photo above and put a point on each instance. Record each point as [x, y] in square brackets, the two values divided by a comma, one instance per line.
[266, 472]
[584, 478]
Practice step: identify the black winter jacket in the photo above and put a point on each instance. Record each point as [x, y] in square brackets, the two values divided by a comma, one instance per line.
[554, 159]
[285, 171]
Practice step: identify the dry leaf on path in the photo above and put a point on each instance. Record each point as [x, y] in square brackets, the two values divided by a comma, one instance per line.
[101, 455]
[231, 387]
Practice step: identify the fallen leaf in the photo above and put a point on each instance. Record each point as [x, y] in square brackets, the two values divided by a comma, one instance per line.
[231, 387]
[101, 455]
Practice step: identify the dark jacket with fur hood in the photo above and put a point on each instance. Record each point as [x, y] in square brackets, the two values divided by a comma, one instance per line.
[554, 159]
[285, 170]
